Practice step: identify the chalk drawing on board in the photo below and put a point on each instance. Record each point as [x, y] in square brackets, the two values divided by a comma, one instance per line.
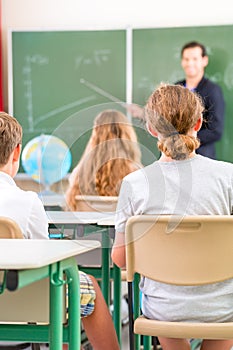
[101, 92]
[27, 81]
[216, 77]
[54, 112]
[228, 76]
[98, 57]
[146, 84]
[27, 71]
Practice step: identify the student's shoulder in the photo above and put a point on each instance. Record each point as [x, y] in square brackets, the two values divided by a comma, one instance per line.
[28, 195]
[225, 165]
[215, 164]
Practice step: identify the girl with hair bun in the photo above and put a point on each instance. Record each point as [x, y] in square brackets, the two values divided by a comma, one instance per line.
[174, 115]
[180, 183]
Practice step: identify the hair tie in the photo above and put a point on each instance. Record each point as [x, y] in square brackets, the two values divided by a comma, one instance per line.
[174, 133]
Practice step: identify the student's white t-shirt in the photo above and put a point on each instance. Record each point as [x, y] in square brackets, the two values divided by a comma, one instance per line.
[24, 207]
[196, 186]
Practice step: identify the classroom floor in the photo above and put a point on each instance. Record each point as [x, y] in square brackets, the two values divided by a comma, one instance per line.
[125, 338]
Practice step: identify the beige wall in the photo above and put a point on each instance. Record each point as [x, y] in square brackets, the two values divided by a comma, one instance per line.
[101, 14]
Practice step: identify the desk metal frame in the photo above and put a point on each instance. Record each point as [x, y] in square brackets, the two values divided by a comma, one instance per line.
[106, 272]
[55, 332]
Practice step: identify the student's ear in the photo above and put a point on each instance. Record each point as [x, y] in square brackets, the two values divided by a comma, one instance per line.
[151, 131]
[198, 124]
[16, 153]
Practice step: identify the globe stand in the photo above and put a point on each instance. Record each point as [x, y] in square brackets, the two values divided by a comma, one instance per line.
[42, 181]
[46, 192]
[50, 199]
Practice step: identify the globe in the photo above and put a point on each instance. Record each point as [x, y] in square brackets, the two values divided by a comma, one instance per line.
[47, 159]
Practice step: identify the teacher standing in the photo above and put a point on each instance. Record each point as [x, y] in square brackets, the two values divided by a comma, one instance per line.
[194, 59]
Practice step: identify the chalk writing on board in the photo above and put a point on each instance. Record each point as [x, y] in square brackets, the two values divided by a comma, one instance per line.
[146, 84]
[228, 76]
[98, 57]
[27, 82]
[216, 77]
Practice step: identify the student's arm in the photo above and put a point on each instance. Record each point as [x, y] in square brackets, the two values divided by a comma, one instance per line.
[123, 212]
[136, 111]
[118, 250]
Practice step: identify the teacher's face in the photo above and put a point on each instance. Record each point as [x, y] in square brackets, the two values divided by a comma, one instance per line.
[193, 63]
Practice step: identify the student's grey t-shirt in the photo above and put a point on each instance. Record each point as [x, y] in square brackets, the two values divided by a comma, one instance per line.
[196, 186]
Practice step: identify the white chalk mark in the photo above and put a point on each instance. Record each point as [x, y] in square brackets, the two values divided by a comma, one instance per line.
[228, 76]
[64, 108]
[102, 92]
[27, 72]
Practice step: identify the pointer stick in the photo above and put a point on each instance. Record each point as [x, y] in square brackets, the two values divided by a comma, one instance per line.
[102, 92]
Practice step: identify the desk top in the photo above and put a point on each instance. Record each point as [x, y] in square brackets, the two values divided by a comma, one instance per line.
[77, 217]
[50, 200]
[21, 254]
[107, 221]
[105, 199]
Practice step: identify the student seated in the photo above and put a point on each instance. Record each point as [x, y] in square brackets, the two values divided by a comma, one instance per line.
[111, 153]
[27, 210]
[182, 183]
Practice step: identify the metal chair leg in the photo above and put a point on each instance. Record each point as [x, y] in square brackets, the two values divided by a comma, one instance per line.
[131, 316]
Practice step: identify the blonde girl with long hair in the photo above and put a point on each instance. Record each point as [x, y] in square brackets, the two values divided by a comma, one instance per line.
[111, 153]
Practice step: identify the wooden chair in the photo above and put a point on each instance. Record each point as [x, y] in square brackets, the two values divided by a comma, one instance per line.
[9, 228]
[193, 250]
[96, 203]
[102, 204]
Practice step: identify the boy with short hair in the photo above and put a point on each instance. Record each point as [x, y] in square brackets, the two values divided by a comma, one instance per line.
[27, 210]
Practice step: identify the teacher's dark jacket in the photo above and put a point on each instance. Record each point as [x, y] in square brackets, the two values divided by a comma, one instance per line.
[213, 117]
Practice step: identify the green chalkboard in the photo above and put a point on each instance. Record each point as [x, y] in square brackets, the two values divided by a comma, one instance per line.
[58, 78]
[156, 58]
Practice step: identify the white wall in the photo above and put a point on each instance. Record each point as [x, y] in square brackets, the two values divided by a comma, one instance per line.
[106, 14]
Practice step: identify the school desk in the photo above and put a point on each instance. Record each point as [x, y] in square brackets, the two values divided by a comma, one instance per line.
[108, 222]
[52, 201]
[79, 222]
[27, 261]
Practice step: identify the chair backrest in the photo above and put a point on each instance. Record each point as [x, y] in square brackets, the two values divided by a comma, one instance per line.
[190, 250]
[96, 203]
[9, 228]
